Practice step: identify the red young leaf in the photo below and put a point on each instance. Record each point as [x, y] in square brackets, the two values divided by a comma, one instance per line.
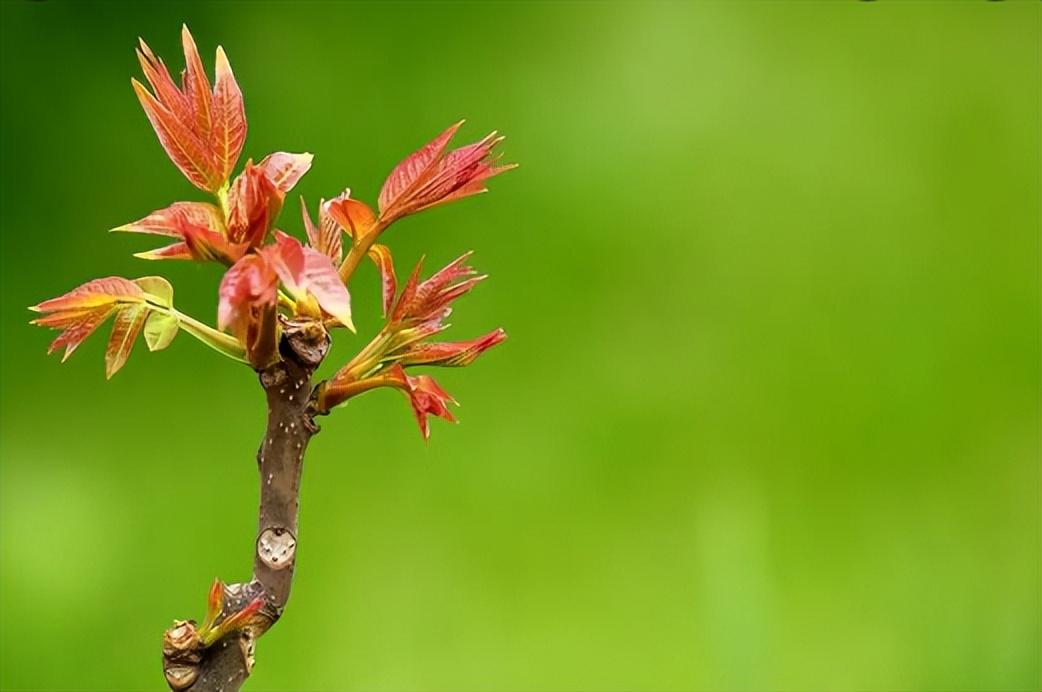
[189, 154]
[429, 300]
[164, 221]
[410, 172]
[254, 202]
[202, 131]
[430, 177]
[174, 251]
[125, 329]
[355, 217]
[82, 310]
[452, 354]
[326, 236]
[107, 291]
[425, 396]
[428, 399]
[229, 117]
[238, 620]
[200, 228]
[232, 623]
[248, 295]
[285, 170]
[196, 86]
[77, 331]
[163, 85]
[304, 270]
[461, 173]
[206, 245]
[250, 282]
[214, 605]
[423, 392]
[381, 255]
[418, 314]
[63, 318]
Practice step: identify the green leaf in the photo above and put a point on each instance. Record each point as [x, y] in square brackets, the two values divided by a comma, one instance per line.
[158, 289]
[160, 330]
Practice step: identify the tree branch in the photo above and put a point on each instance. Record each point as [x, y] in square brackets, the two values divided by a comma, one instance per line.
[225, 665]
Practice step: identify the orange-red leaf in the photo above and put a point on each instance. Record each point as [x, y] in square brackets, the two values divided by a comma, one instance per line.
[426, 397]
[355, 217]
[76, 332]
[229, 117]
[214, 605]
[304, 270]
[200, 227]
[82, 310]
[106, 291]
[411, 171]
[326, 236]
[239, 620]
[196, 87]
[248, 295]
[191, 156]
[203, 131]
[452, 354]
[250, 282]
[429, 399]
[430, 177]
[174, 251]
[460, 174]
[428, 301]
[210, 633]
[254, 202]
[162, 84]
[63, 318]
[165, 221]
[209, 246]
[285, 170]
[381, 255]
[125, 329]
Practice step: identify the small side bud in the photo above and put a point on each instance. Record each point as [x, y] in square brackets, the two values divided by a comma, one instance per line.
[233, 623]
[181, 639]
[214, 604]
[181, 655]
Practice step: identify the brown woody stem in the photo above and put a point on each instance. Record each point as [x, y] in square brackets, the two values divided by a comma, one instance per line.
[225, 665]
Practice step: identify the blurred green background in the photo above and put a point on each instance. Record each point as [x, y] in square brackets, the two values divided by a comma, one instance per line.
[769, 416]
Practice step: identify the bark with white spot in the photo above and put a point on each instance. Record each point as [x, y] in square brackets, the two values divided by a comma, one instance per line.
[224, 666]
